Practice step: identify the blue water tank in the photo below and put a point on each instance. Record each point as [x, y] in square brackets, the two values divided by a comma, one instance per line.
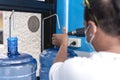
[46, 60]
[71, 16]
[17, 66]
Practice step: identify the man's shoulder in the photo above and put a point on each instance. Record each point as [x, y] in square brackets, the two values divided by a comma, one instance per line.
[78, 62]
[83, 61]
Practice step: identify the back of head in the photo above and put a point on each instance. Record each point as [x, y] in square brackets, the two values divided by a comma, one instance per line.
[107, 14]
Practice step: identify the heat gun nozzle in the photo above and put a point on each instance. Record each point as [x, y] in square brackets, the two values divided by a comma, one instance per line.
[78, 32]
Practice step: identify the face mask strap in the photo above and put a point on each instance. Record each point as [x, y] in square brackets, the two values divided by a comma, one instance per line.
[92, 36]
[87, 29]
[92, 39]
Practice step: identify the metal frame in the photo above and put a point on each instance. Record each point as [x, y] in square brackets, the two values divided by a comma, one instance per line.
[49, 27]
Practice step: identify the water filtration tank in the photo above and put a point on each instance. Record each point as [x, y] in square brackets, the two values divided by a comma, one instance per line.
[46, 60]
[71, 16]
[17, 66]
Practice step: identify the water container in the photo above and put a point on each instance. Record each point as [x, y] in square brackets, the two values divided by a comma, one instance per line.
[46, 60]
[23, 67]
[17, 66]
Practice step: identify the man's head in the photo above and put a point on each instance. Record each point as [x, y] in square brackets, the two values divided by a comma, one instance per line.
[103, 17]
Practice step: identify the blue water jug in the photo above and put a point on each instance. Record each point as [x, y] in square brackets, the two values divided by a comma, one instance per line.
[46, 60]
[17, 66]
[23, 67]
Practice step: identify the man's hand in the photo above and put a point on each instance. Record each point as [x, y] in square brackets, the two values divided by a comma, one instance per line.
[60, 39]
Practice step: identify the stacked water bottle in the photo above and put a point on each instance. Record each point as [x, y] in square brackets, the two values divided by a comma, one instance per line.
[46, 60]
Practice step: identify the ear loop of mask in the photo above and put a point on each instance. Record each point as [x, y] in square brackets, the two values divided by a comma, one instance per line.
[90, 42]
[91, 39]
[92, 36]
[86, 30]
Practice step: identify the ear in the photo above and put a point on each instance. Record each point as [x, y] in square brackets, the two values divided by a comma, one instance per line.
[93, 27]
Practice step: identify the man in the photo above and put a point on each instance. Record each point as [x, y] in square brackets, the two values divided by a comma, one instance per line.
[102, 29]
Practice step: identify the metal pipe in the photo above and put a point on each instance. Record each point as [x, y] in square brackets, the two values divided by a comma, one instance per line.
[10, 23]
[58, 22]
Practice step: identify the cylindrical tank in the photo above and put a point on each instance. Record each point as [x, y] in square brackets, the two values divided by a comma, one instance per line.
[71, 16]
[46, 60]
[17, 66]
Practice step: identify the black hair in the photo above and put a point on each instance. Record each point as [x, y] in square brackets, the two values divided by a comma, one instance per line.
[107, 13]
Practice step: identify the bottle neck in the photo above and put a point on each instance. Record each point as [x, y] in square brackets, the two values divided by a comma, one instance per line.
[12, 46]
